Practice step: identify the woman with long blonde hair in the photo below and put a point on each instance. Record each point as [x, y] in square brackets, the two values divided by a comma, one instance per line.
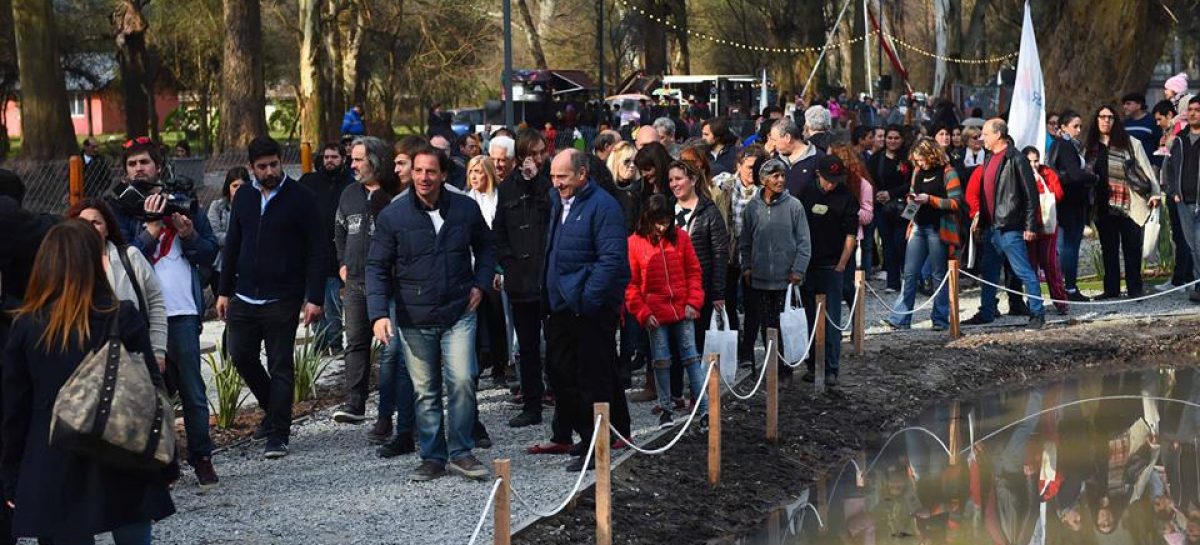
[481, 185]
[63, 495]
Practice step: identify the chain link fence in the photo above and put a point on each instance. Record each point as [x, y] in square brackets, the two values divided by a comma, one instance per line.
[47, 183]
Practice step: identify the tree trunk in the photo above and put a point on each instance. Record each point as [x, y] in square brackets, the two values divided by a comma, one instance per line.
[682, 62]
[243, 93]
[858, 58]
[954, 44]
[352, 42]
[654, 40]
[312, 101]
[532, 35]
[129, 28]
[332, 42]
[1079, 74]
[45, 116]
[973, 45]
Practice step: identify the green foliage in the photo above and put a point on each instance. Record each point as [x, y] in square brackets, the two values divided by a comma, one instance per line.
[284, 118]
[229, 385]
[310, 367]
[188, 121]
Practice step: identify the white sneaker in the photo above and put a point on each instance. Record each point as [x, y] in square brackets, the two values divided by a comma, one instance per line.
[1164, 286]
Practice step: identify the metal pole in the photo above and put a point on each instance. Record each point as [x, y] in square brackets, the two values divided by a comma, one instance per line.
[600, 43]
[508, 69]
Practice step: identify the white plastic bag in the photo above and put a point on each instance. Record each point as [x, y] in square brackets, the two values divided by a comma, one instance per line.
[1150, 234]
[1048, 208]
[724, 342]
[793, 327]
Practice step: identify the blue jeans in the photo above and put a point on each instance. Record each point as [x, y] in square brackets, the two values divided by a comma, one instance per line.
[1189, 222]
[825, 281]
[331, 322]
[437, 356]
[138, 533]
[396, 394]
[1070, 237]
[925, 247]
[997, 246]
[679, 337]
[183, 360]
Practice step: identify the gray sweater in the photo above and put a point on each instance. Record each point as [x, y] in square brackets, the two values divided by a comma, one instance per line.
[775, 241]
[151, 290]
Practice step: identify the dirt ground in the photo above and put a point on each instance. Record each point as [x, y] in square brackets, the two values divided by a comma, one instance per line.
[666, 498]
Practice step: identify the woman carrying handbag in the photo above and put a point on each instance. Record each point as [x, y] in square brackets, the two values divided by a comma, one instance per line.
[64, 494]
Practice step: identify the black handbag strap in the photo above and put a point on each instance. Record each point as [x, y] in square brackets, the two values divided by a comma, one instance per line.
[137, 288]
[112, 361]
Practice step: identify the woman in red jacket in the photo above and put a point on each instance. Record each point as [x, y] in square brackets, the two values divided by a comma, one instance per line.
[665, 294]
[1043, 252]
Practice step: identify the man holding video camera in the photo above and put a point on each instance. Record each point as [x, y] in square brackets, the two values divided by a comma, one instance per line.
[160, 218]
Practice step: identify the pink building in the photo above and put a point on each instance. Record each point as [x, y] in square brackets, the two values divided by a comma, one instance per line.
[94, 96]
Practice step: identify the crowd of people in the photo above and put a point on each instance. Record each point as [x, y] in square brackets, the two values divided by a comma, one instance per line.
[567, 271]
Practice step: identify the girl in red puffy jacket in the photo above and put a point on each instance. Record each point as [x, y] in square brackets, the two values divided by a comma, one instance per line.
[665, 294]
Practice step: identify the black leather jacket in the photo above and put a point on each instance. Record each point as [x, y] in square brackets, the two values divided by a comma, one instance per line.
[522, 216]
[710, 239]
[1016, 193]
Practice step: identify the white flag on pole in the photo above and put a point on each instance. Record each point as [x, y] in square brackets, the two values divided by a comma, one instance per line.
[762, 94]
[1027, 112]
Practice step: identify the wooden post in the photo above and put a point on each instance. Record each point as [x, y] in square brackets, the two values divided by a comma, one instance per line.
[822, 502]
[75, 187]
[955, 330]
[306, 157]
[773, 385]
[714, 420]
[773, 537]
[819, 345]
[860, 312]
[603, 478]
[955, 424]
[502, 534]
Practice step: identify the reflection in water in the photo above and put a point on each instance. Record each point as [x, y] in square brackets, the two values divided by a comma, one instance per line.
[1103, 459]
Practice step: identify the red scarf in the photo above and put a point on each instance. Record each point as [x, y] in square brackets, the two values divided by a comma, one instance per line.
[166, 239]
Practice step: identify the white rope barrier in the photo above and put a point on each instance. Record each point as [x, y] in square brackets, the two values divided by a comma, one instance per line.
[486, 508]
[853, 304]
[587, 460]
[1096, 303]
[918, 308]
[761, 374]
[682, 431]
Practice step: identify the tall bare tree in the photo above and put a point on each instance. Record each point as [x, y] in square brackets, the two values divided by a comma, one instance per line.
[45, 116]
[129, 28]
[316, 125]
[532, 35]
[243, 92]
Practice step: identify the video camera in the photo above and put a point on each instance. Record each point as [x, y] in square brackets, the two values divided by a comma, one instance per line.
[131, 196]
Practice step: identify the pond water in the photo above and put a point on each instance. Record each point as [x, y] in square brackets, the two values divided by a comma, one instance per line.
[1109, 459]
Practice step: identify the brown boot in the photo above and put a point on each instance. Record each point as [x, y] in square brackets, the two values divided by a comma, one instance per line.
[649, 393]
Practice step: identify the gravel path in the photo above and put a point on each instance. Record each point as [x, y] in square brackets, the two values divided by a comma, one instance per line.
[333, 489]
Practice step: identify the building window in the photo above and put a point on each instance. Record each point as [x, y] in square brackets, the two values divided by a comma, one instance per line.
[77, 104]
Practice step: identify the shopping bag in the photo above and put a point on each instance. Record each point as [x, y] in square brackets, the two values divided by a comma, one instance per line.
[1150, 234]
[793, 327]
[721, 340]
[1049, 210]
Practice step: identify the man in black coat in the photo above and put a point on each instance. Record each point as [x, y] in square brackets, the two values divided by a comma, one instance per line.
[327, 184]
[273, 267]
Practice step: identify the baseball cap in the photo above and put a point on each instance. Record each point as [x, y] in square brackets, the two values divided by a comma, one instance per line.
[831, 168]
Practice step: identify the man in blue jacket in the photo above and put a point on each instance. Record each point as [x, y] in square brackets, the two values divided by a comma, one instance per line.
[587, 268]
[352, 122]
[421, 258]
[178, 245]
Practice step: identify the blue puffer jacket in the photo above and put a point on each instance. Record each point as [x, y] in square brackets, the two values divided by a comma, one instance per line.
[201, 250]
[587, 260]
[428, 274]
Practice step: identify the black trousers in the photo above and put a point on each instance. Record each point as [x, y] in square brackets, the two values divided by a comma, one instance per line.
[490, 338]
[527, 320]
[1183, 252]
[357, 376]
[1120, 237]
[763, 308]
[272, 325]
[583, 358]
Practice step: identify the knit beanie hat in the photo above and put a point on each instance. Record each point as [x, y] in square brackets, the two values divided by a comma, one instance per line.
[817, 118]
[1177, 83]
